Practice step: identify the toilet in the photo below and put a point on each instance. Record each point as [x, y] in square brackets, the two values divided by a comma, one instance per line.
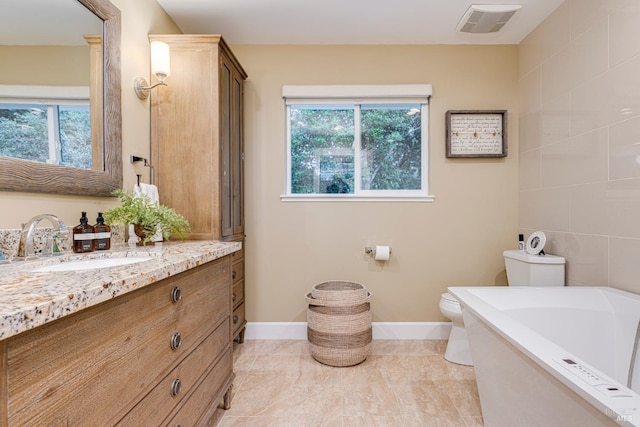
[522, 270]
[458, 346]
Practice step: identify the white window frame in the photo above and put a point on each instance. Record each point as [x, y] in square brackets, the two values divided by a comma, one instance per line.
[355, 95]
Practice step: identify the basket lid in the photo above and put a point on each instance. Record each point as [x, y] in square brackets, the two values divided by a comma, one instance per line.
[337, 303]
[339, 290]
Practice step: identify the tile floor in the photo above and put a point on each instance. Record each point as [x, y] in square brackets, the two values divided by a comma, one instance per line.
[402, 383]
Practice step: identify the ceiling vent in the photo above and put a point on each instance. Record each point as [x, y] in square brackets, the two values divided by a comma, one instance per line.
[485, 18]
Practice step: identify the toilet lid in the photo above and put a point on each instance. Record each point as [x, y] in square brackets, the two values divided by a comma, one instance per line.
[447, 296]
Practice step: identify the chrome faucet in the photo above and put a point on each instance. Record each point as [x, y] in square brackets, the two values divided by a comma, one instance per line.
[26, 249]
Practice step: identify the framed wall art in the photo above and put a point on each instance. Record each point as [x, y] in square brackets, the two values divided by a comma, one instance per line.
[476, 133]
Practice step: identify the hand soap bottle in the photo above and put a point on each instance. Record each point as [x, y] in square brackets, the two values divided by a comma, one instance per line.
[83, 235]
[102, 234]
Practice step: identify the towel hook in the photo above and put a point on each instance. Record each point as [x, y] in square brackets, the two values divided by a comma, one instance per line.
[135, 159]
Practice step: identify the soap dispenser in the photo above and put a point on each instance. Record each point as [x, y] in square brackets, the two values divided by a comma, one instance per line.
[83, 235]
[102, 234]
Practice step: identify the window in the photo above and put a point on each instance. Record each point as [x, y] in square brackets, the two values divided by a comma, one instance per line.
[357, 142]
[55, 131]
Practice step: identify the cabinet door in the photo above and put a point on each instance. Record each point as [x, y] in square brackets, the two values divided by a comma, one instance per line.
[232, 149]
[226, 125]
[237, 155]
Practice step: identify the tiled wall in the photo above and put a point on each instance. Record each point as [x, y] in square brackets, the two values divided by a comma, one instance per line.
[579, 170]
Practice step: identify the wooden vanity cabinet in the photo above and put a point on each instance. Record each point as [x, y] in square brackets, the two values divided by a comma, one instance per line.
[138, 359]
[197, 144]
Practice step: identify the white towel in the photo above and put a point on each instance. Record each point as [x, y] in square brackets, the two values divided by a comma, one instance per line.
[151, 191]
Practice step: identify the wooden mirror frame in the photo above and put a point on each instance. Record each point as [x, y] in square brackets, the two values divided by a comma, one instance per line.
[30, 176]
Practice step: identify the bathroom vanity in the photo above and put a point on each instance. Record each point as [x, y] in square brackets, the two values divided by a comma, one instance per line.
[140, 344]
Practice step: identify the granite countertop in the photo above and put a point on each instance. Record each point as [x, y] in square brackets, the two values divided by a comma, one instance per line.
[29, 299]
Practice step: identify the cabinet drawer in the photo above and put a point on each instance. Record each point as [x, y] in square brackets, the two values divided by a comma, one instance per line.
[94, 365]
[238, 255]
[238, 293]
[237, 271]
[204, 397]
[204, 304]
[181, 381]
[238, 318]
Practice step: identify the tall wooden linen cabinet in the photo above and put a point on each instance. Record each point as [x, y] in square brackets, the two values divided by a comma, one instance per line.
[197, 146]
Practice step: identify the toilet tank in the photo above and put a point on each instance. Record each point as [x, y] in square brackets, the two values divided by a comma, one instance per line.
[533, 270]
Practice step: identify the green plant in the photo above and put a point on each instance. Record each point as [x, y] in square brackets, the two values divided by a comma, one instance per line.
[151, 217]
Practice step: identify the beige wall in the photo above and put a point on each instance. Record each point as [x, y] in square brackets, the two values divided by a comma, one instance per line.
[457, 240]
[139, 18]
[579, 150]
[24, 65]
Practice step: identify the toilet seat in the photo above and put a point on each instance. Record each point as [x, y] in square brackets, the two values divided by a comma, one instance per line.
[449, 298]
[450, 307]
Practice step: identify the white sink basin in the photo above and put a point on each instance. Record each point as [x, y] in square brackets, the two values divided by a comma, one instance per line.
[90, 264]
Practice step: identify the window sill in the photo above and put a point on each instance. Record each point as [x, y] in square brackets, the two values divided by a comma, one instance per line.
[354, 198]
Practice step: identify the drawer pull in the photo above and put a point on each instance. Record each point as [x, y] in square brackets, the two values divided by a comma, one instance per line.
[176, 294]
[233, 275]
[233, 297]
[176, 339]
[176, 387]
[235, 319]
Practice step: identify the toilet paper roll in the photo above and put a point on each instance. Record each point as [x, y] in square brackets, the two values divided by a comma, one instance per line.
[382, 253]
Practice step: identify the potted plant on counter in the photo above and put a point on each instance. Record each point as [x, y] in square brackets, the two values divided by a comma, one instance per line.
[147, 217]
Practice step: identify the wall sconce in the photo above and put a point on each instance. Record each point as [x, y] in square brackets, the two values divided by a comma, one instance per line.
[160, 66]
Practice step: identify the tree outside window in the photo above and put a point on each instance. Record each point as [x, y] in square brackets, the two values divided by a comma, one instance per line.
[329, 141]
[56, 134]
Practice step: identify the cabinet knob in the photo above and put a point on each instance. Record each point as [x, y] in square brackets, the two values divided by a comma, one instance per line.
[176, 387]
[176, 294]
[176, 339]
[233, 274]
[235, 319]
[233, 297]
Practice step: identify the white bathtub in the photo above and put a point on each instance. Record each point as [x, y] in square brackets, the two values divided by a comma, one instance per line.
[554, 356]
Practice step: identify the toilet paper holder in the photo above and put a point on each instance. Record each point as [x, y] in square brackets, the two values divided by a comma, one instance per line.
[372, 251]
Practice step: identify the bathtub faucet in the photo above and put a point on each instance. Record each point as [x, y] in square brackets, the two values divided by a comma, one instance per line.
[25, 248]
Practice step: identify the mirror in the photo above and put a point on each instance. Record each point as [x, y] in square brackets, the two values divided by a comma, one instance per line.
[104, 173]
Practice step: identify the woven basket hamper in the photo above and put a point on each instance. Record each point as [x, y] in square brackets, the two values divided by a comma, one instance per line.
[339, 331]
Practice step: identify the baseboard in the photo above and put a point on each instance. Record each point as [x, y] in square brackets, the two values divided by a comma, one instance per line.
[381, 330]
[411, 330]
